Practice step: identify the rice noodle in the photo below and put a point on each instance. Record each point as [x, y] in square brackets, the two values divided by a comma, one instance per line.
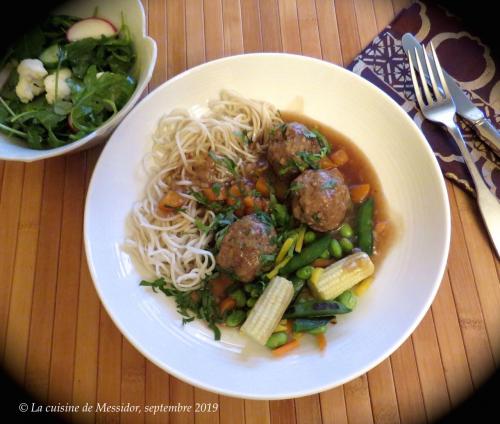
[172, 246]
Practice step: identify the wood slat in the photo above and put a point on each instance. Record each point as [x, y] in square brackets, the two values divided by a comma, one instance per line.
[308, 409]
[333, 408]
[157, 392]
[44, 286]
[211, 400]
[384, 13]
[232, 410]
[19, 316]
[176, 36]
[367, 22]
[252, 34]
[133, 382]
[357, 400]
[181, 394]
[328, 31]
[290, 34]
[383, 394]
[308, 27]
[233, 31]
[257, 412]
[348, 30]
[270, 26]
[214, 29]
[282, 411]
[157, 24]
[195, 35]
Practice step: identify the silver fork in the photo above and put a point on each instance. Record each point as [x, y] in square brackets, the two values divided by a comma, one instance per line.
[438, 106]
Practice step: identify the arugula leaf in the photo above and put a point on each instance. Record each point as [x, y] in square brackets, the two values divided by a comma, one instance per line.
[310, 159]
[224, 161]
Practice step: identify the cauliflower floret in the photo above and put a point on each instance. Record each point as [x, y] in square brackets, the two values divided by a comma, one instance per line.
[63, 89]
[31, 73]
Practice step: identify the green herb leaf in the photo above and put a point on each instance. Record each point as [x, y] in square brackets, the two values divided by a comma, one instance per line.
[224, 161]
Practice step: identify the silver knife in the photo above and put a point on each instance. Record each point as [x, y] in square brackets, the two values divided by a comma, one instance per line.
[465, 108]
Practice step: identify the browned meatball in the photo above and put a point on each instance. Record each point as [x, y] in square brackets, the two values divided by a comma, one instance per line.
[320, 199]
[245, 246]
[285, 148]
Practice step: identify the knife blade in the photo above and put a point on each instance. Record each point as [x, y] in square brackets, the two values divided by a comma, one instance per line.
[465, 108]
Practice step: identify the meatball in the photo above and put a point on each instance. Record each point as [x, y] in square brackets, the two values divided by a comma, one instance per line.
[245, 245]
[286, 145]
[320, 199]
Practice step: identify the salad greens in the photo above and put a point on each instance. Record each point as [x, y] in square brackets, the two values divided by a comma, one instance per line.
[100, 83]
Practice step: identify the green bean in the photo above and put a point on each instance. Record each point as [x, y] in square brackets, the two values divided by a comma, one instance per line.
[305, 272]
[239, 297]
[348, 299]
[346, 230]
[316, 309]
[307, 324]
[277, 339]
[325, 254]
[309, 237]
[346, 245]
[335, 249]
[364, 226]
[318, 330]
[248, 287]
[308, 254]
[298, 285]
[235, 318]
[251, 302]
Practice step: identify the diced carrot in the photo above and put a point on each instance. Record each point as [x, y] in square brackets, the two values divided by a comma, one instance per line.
[326, 163]
[220, 284]
[235, 191]
[282, 350]
[249, 202]
[262, 187]
[322, 263]
[321, 339]
[213, 196]
[359, 192]
[171, 200]
[227, 304]
[339, 157]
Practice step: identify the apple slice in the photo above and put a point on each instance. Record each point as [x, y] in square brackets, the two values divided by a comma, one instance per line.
[90, 28]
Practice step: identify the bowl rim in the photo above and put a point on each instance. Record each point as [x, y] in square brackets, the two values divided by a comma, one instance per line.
[375, 361]
[111, 123]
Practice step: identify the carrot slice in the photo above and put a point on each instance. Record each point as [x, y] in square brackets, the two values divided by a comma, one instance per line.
[172, 199]
[235, 191]
[322, 263]
[249, 201]
[359, 192]
[227, 304]
[339, 157]
[287, 347]
[326, 163]
[321, 339]
[262, 187]
[220, 284]
[212, 196]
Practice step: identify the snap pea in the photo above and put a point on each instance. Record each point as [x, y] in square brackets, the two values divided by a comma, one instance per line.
[346, 230]
[364, 225]
[235, 318]
[346, 245]
[277, 339]
[307, 324]
[305, 272]
[308, 254]
[298, 285]
[348, 299]
[239, 297]
[309, 237]
[335, 249]
[316, 309]
[325, 254]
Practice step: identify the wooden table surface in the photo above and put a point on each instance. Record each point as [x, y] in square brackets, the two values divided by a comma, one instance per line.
[57, 340]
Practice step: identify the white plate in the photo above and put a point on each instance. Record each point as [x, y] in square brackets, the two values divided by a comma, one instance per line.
[405, 284]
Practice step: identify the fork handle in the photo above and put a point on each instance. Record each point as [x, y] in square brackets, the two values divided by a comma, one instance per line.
[489, 134]
[489, 205]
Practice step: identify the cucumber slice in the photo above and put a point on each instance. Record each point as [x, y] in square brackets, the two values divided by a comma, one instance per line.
[50, 56]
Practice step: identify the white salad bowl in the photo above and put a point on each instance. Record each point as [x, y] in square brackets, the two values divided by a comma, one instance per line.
[14, 149]
[405, 283]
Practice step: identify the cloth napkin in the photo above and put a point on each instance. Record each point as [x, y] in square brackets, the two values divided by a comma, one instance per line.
[465, 57]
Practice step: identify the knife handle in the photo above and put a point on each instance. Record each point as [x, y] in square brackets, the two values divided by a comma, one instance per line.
[489, 134]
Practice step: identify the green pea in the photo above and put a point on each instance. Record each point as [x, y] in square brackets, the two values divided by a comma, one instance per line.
[335, 249]
[235, 318]
[346, 244]
[346, 230]
[251, 302]
[309, 237]
[305, 272]
[248, 287]
[325, 254]
[255, 293]
[239, 297]
[319, 330]
[348, 298]
[277, 339]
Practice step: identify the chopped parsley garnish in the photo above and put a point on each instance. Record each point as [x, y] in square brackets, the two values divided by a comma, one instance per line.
[216, 187]
[224, 161]
[190, 305]
[295, 186]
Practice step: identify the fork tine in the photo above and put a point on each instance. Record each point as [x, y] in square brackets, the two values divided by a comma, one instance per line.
[414, 79]
[442, 80]
[435, 87]
[424, 82]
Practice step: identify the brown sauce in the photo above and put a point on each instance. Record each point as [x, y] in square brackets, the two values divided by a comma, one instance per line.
[357, 170]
